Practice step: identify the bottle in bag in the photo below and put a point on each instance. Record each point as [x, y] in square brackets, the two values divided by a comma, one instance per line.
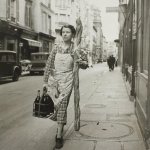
[47, 105]
[37, 103]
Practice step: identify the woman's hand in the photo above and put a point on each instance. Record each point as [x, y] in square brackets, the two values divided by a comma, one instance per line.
[78, 60]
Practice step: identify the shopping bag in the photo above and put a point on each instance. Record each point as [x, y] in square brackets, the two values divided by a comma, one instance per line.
[43, 106]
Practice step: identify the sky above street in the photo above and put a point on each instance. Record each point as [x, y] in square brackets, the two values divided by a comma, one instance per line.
[110, 24]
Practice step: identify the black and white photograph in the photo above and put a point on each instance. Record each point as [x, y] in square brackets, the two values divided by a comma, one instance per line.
[74, 74]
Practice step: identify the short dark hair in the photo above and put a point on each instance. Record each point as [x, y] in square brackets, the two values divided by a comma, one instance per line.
[70, 27]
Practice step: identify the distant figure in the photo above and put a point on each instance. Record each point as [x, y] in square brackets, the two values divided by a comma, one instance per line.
[116, 63]
[111, 62]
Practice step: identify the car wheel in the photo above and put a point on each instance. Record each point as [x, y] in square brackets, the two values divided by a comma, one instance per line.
[15, 76]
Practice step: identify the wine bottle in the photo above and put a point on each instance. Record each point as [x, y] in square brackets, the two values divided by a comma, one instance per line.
[37, 104]
[37, 99]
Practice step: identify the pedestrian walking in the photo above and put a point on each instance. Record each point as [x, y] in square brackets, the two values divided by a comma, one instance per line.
[59, 77]
[116, 63]
[111, 62]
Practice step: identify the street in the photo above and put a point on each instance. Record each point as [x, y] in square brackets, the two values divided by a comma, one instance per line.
[19, 130]
[109, 37]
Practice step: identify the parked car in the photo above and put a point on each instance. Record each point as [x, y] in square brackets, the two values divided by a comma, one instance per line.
[25, 65]
[9, 67]
[38, 61]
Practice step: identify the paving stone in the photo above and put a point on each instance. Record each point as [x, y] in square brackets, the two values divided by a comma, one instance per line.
[78, 145]
[108, 146]
[90, 117]
[137, 145]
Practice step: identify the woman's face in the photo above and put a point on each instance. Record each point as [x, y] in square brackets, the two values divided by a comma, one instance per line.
[66, 34]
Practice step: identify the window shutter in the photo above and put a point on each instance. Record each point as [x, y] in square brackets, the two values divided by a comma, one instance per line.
[26, 15]
[17, 10]
[8, 9]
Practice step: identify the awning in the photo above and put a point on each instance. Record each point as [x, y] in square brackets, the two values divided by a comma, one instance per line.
[33, 42]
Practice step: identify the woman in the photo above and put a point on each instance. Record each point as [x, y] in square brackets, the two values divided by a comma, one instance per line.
[58, 78]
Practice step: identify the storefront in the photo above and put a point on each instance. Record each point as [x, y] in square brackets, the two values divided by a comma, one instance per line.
[47, 42]
[10, 37]
[29, 44]
[15, 38]
[136, 60]
[142, 86]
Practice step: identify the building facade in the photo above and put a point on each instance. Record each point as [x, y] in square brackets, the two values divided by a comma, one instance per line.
[62, 15]
[44, 24]
[29, 26]
[136, 59]
[18, 27]
[99, 34]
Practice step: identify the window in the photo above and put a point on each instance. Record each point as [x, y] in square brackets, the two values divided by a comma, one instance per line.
[62, 18]
[49, 24]
[28, 14]
[58, 3]
[13, 10]
[62, 3]
[49, 4]
[44, 21]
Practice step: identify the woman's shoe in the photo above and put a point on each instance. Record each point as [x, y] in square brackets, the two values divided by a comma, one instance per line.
[59, 143]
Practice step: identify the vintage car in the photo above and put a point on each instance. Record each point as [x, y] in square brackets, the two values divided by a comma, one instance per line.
[25, 65]
[9, 66]
[38, 62]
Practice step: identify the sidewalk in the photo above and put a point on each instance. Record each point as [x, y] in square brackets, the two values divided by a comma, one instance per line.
[108, 121]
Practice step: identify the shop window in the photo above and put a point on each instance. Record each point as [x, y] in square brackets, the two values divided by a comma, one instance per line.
[45, 46]
[1, 44]
[50, 46]
[10, 46]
